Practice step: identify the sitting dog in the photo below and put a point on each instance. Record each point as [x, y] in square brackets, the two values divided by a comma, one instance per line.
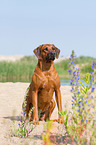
[45, 81]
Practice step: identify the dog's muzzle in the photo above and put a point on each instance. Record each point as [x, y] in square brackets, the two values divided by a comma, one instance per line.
[50, 56]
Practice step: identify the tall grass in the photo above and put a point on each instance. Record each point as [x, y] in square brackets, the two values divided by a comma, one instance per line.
[23, 69]
[17, 71]
[62, 69]
[83, 60]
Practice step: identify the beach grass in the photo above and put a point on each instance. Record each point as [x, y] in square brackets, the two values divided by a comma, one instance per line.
[22, 70]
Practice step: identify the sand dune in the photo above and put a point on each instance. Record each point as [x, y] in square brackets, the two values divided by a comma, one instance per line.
[10, 57]
[13, 58]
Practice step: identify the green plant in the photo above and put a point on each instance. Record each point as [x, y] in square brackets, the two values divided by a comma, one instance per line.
[23, 130]
[46, 135]
[81, 126]
[65, 118]
[24, 127]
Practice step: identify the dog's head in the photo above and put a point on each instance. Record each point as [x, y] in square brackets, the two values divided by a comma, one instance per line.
[47, 52]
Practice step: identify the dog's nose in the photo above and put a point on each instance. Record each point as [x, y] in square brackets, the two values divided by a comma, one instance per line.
[52, 53]
[50, 56]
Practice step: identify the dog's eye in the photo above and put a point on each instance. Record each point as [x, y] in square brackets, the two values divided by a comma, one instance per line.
[53, 48]
[45, 49]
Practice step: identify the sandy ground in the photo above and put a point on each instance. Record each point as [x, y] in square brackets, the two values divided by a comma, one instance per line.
[11, 98]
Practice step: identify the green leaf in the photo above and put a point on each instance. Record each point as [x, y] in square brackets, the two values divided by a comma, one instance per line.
[66, 121]
[82, 91]
[82, 84]
[63, 113]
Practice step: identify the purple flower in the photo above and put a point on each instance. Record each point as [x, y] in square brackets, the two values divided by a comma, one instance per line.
[74, 71]
[77, 75]
[74, 74]
[72, 61]
[74, 98]
[92, 67]
[69, 62]
[92, 78]
[86, 101]
[86, 120]
[90, 83]
[93, 63]
[92, 89]
[71, 56]
[91, 73]
[78, 92]
[72, 80]
[73, 84]
[75, 78]
[69, 71]
[79, 102]
[77, 83]
[23, 124]
[78, 78]
[91, 97]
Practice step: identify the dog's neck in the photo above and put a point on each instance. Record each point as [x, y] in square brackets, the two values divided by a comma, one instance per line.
[45, 66]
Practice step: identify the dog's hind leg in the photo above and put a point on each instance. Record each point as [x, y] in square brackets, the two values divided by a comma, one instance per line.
[47, 114]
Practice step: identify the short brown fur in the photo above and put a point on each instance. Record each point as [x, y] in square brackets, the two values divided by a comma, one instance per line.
[45, 81]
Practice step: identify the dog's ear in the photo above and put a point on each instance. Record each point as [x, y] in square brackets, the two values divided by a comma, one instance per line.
[57, 52]
[37, 52]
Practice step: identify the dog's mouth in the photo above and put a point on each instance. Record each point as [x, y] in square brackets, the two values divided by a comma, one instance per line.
[50, 56]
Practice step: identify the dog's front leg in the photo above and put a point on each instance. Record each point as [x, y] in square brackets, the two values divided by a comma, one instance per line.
[59, 103]
[35, 105]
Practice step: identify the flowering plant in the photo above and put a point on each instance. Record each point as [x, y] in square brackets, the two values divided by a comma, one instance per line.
[83, 104]
[24, 127]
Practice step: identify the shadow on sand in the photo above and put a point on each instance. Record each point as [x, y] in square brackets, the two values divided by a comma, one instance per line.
[16, 118]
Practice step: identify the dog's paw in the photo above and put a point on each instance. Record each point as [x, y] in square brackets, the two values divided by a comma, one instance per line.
[60, 121]
[35, 122]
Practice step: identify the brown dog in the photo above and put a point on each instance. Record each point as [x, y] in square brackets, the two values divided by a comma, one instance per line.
[45, 81]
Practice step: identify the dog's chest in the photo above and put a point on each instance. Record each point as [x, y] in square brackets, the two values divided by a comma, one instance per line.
[46, 90]
[48, 83]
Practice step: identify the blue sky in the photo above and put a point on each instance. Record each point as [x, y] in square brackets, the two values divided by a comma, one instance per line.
[69, 24]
